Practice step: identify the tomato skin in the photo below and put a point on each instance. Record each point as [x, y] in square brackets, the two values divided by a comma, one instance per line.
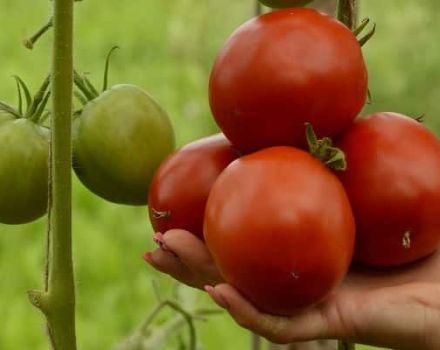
[119, 141]
[182, 184]
[23, 171]
[4, 116]
[283, 69]
[280, 228]
[284, 3]
[393, 182]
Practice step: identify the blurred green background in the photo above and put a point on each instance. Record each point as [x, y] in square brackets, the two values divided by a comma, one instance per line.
[167, 47]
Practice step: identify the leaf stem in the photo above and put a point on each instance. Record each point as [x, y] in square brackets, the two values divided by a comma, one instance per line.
[30, 42]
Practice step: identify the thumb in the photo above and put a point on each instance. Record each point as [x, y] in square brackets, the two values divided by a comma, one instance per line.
[306, 325]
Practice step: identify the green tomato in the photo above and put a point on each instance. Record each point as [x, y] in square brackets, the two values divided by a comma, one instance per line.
[119, 141]
[285, 3]
[24, 163]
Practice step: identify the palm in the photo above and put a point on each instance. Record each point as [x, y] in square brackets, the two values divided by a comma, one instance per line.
[397, 308]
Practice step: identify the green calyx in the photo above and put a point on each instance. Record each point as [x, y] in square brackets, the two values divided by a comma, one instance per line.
[358, 32]
[323, 149]
[32, 108]
[85, 90]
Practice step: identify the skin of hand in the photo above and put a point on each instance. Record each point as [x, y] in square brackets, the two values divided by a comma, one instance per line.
[395, 307]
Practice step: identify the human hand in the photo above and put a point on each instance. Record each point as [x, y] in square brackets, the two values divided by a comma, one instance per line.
[397, 308]
[185, 257]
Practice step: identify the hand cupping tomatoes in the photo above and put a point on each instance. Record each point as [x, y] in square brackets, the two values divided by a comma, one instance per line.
[393, 182]
[281, 226]
[283, 69]
[180, 187]
[271, 233]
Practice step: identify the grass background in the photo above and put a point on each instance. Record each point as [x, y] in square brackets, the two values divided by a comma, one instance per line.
[167, 47]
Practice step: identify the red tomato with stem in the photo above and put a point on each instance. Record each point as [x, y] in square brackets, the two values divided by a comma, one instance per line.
[280, 229]
[283, 69]
[180, 188]
[393, 182]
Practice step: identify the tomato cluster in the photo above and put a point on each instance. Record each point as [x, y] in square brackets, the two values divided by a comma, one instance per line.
[282, 225]
[120, 137]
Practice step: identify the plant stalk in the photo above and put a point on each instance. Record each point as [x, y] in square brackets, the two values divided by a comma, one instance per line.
[347, 12]
[57, 302]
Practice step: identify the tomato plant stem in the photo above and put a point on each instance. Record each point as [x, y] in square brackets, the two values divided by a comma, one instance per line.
[57, 302]
[347, 12]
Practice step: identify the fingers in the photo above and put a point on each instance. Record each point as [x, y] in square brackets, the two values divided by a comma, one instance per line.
[194, 254]
[307, 325]
[185, 257]
[170, 264]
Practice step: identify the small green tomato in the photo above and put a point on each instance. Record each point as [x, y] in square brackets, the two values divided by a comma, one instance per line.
[119, 141]
[24, 159]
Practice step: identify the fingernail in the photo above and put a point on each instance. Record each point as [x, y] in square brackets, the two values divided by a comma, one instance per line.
[216, 296]
[158, 239]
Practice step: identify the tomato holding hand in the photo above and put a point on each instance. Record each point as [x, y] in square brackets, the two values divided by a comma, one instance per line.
[280, 228]
[180, 187]
[283, 69]
[393, 182]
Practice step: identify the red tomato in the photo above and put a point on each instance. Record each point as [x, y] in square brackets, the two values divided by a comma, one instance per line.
[181, 185]
[393, 182]
[284, 3]
[283, 69]
[280, 228]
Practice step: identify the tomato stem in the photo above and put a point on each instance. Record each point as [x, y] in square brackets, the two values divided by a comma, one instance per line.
[57, 301]
[323, 149]
[347, 12]
[30, 42]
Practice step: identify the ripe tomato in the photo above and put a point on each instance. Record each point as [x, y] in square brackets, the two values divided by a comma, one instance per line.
[23, 170]
[285, 3]
[119, 141]
[283, 69]
[181, 186]
[280, 228]
[393, 182]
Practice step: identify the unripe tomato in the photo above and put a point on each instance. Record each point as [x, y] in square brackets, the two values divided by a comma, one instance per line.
[4, 116]
[285, 3]
[393, 182]
[119, 141]
[181, 185]
[280, 229]
[283, 69]
[24, 163]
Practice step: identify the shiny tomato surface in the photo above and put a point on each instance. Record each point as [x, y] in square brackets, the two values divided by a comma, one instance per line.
[283, 69]
[393, 182]
[280, 228]
[180, 187]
